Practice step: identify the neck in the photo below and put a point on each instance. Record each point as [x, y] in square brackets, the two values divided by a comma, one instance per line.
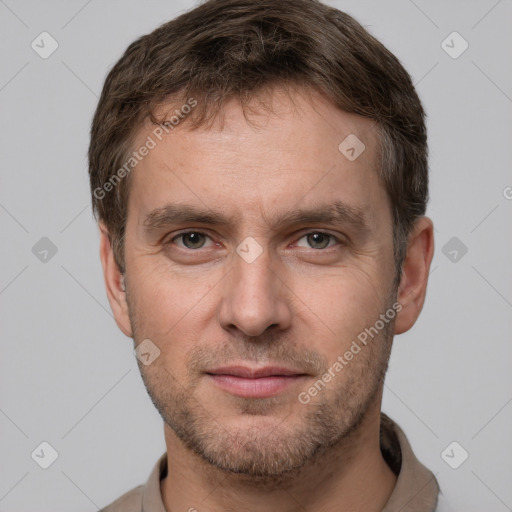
[350, 476]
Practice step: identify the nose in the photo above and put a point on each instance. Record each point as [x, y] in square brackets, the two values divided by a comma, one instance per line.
[254, 297]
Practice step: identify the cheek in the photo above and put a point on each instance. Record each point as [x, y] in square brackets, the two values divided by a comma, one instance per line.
[170, 309]
[169, 292]
[340, 306]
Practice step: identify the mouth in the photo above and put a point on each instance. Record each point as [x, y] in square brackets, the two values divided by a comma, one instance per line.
[255, 382]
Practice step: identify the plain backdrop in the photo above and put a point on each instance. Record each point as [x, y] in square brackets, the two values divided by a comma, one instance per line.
[68, 376]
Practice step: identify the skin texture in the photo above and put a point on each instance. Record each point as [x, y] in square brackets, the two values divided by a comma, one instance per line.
[301, 303]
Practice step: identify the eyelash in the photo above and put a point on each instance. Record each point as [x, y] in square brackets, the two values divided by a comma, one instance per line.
[331, 237]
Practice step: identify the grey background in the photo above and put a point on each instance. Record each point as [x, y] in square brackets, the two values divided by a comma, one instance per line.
[68, 375]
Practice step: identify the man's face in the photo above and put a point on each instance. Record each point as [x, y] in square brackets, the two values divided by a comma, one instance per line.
[268, 289]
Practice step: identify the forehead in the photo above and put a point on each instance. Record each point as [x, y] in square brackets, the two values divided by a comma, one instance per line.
[249, 161]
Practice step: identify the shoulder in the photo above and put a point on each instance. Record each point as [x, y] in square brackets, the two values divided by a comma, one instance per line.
[129, 502]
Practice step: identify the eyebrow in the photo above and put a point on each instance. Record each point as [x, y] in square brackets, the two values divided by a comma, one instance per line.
[335, 213]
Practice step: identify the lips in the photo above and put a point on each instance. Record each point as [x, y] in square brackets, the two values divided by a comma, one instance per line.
[249, 373]
[255, 382]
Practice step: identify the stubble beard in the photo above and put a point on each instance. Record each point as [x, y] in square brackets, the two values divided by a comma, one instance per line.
[272, 453]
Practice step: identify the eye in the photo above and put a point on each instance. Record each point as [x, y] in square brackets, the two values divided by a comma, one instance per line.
[190, 239]
[318, 239]
[197, 240]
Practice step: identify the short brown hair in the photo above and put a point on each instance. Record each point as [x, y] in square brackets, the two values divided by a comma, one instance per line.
[226, 49]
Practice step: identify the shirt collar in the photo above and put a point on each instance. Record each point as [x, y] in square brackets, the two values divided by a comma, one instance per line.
[416, 488]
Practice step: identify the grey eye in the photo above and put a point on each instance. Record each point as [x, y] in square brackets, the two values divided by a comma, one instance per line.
[317, 240]
[192, 239]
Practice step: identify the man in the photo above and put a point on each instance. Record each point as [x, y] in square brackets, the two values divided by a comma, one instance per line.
[259, 173]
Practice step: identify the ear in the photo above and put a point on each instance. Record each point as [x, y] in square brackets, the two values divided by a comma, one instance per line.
[415, 270]
[113, 277]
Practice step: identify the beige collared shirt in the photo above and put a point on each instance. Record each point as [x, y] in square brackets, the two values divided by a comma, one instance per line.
[416, 487]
